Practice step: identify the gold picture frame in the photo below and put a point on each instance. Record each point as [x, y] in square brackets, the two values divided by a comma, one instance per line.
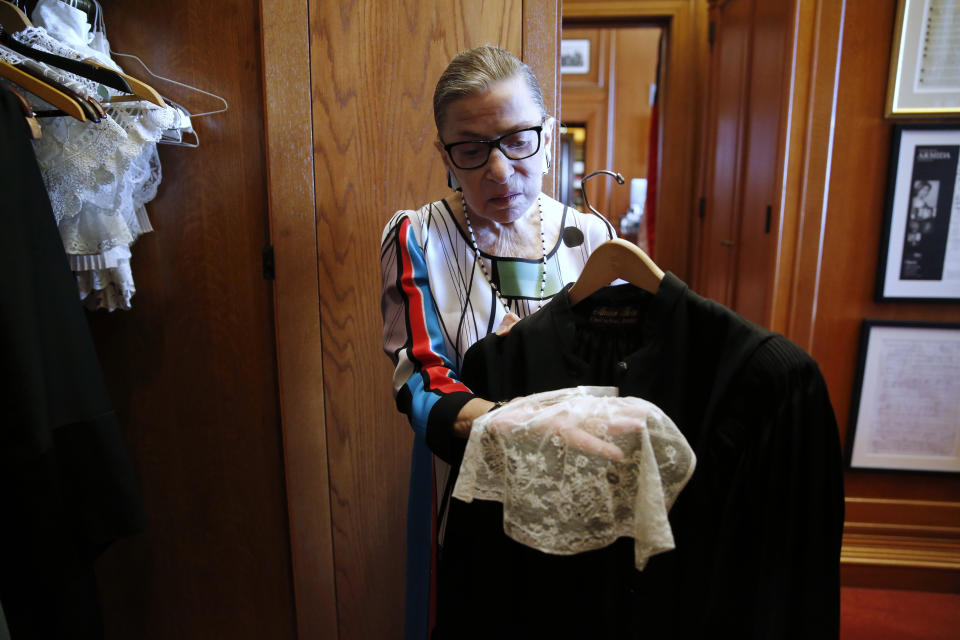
[924, 61]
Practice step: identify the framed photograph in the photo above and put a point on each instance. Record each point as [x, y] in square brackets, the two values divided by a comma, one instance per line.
[920, 252]
[575, 56]
[905, 412]
[925, 61]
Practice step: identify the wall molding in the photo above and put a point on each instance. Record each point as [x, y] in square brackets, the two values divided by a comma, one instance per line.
[923, 552]
[896, 532]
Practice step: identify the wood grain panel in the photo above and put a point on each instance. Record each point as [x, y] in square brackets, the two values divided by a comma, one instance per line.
[683, 91]
[289, 137]
[191, 368]
[374, 66]
[852, 240]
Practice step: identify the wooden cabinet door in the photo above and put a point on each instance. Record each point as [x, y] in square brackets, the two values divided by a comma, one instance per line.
[740, 216]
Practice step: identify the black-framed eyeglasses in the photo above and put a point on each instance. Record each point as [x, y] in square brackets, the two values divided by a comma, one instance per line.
[516, 145]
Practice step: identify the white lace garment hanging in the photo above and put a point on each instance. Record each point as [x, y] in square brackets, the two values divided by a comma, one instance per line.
[534, 455]
[99, 175]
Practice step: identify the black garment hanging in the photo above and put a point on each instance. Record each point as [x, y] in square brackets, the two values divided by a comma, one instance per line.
[67, 487]
[758, 528]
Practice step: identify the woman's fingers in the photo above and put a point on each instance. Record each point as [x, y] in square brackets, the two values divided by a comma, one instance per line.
[614, 425]
[580, 439]
[508, 321]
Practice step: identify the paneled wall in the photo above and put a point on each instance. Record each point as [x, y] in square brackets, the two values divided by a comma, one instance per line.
[922, 511]
[191, 368]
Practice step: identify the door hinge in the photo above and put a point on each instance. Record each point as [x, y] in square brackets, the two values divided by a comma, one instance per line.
[766, 226]
[703, 208]
[269, 268]
[711, 32]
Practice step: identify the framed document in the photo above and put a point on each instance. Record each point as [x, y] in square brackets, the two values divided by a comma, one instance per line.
[920, 252]
[905, 412]
[925, 59]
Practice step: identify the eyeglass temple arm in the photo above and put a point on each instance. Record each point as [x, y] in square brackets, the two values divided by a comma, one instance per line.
[583, 186]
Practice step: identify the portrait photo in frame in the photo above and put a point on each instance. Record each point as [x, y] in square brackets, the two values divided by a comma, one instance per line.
[924, 65]
[905, 409]
[920, 251]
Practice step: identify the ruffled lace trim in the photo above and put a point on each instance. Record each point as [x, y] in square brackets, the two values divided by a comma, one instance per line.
[99, 175]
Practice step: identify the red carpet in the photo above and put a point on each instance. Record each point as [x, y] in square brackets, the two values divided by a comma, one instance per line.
[879, 614]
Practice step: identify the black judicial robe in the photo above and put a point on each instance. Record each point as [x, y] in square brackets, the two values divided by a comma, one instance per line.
[757, 529]
[67, 486]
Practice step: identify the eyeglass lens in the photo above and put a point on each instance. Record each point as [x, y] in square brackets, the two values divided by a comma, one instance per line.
[516, 146]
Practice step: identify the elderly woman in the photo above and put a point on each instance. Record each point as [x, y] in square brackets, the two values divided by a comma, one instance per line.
[493, 251]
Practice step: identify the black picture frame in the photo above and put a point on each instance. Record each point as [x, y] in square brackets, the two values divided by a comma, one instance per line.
[905, 406]
[918, 260]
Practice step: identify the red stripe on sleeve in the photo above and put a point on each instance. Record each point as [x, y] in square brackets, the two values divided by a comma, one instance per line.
[439, 377]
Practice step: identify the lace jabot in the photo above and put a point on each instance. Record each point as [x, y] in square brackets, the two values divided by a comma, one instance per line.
[578, 468]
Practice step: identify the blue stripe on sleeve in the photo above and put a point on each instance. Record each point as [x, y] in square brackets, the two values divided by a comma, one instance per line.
[421, 402]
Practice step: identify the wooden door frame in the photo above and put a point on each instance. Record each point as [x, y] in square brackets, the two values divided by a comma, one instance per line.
[288, 145]
[285, 46]
[679, 178]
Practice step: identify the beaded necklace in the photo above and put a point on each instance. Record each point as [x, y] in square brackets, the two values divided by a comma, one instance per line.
[483, 267]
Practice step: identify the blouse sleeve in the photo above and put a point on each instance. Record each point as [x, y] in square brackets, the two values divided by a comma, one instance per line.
[426, 385]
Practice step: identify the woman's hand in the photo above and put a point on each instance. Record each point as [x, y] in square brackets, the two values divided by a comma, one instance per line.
[478, 406]
[508, 321]
[470, 412]
[568, 424]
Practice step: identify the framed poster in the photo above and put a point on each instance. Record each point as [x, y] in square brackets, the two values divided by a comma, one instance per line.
[575, 56]
[920, 252]
[925, 60]
[905, 411]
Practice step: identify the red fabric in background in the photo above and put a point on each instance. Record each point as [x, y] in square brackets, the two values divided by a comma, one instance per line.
[650, 206]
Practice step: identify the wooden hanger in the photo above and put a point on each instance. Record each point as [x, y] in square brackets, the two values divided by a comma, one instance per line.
[100, 75]
[33, 125]
[43, 90]
[12, 19]
[614, 259]
[141, 90]
[91, 108]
